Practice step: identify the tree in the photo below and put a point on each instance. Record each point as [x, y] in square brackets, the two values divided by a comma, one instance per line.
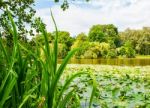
[104, 33]
[22, 11]
[65, 4]
[82, 36]
[96, 34]
[127, 50]
[40, 39]
[143, 44]
[96, 50]
[82, 43]
[140, 39]
[65, 41]
[65, 38]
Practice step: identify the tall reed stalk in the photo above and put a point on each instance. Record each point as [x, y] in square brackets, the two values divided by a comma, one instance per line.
[30, 81]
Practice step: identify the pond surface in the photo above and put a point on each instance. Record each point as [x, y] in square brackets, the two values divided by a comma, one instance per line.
[116, 61]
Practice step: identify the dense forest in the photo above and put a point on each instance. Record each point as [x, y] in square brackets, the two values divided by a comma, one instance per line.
[102, 41]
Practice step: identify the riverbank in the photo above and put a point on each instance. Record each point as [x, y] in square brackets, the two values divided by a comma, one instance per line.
[143, 56]
[109, 67]
[139, 61]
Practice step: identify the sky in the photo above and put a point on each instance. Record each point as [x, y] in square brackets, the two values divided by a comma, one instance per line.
[81, 15]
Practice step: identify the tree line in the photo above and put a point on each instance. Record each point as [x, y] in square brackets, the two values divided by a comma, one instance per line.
[102, 41]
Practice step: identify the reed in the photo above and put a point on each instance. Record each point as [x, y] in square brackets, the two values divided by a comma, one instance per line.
[30, 81]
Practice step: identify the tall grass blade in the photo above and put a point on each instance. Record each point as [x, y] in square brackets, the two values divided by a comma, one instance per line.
[10, 79]
[7, 90]
[47, 47]
[4, 50]
[66, 85]
[66, 99]
[28, 95]
[55, 44]
[64, 63]
[59, 73]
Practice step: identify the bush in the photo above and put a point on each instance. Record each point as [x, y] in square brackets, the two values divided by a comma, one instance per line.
[126, 51]
[83, 45]
[130, 52]
[111, 54]
[90, 55]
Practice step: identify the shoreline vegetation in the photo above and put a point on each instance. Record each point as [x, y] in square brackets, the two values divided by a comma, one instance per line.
[120, 61]
[102, 41]
[143, 56]
[99, 67]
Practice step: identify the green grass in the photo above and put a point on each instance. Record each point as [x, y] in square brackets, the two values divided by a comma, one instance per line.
[143, 56]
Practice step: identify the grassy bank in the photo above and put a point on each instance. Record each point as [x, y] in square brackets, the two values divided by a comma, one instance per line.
[137, 57]
[143, 56]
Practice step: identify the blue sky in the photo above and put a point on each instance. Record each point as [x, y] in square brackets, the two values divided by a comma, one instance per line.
[82, 15]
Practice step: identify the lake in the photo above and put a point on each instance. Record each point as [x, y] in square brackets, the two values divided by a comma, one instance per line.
[115, 61]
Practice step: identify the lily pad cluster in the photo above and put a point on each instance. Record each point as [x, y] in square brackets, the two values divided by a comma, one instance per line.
[117, 87]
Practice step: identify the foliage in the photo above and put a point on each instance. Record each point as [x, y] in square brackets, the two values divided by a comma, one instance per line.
[63, 51]
[30, 81]
[101, 36]
[65, 3]
[96, 34]
[96, 50]
[22, 11]
[121, 87]
[65, 38]
[82, 37]
[111, 54]
[103, 33]
[127, 50]
[40, 39]
[140, 39]
[82, 43]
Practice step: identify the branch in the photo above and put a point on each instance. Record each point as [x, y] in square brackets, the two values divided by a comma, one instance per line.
[3, 4]
[2, 9]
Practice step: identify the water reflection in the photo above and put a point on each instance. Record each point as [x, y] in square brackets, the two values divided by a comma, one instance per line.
[120, 62]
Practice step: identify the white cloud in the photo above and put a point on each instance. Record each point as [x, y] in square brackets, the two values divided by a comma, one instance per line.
[123, 13]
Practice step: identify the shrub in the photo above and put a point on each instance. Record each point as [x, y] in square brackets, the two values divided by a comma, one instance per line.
[90, 55]
[126, 50]
[111, 54]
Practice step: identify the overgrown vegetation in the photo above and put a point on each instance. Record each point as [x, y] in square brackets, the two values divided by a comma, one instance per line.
[117, 87]
[28, 81]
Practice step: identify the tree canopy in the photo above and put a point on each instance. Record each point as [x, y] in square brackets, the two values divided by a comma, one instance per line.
[103, 33]
[140, 39]
[65, 3]
[103, 41]
[21, 10]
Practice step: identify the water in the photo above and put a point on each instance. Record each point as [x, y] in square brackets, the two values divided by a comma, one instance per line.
[116, 61]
